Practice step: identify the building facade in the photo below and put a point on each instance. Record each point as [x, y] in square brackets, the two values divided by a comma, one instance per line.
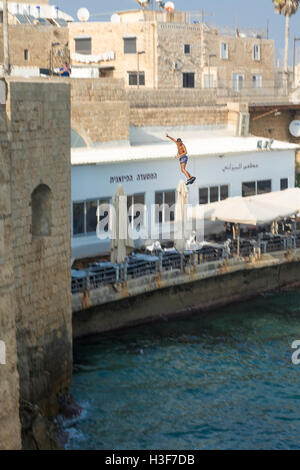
[155, 50]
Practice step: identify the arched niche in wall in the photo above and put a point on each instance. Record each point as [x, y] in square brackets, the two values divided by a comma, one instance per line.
[41, 205]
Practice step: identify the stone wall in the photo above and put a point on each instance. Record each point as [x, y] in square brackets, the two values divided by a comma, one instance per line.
[39, 115]
[100, 109]
[143, 98]
[274, 125]
[185, 116]
[36, 40]
[10, 429]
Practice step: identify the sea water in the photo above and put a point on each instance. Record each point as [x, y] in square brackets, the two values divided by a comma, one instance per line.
[220, 380]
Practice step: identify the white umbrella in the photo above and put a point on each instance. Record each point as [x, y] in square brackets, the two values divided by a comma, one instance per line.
[120, 239]
[180, 215]
[251, 210]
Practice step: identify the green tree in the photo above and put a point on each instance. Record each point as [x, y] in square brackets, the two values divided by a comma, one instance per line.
[287, 8]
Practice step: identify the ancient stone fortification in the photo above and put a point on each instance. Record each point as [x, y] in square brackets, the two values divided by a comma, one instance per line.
[10, 429]
[35, 308]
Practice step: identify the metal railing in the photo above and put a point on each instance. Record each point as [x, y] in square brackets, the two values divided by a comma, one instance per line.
[139, 265]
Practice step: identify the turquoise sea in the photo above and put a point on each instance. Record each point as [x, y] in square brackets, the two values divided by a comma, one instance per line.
[219, 380]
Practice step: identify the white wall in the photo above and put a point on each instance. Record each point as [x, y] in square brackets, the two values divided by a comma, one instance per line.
[94, 181]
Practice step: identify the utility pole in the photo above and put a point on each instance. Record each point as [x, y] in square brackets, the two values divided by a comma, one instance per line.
[6, 62]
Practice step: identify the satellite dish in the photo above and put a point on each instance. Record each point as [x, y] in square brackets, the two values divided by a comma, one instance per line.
[83, 14]
[294, 128]
[115, 18]
[170, 7]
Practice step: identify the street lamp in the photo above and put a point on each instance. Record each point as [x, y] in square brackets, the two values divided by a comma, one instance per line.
[209, 56]
[138, 67]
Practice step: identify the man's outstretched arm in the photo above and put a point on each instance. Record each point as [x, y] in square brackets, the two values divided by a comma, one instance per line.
[169, 137]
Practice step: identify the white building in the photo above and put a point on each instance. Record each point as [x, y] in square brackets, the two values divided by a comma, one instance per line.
[225, 166]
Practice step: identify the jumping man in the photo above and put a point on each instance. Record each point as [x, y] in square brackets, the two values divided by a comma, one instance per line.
[182, 155]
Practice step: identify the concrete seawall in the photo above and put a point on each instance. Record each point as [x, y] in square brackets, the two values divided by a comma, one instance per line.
[174, 293]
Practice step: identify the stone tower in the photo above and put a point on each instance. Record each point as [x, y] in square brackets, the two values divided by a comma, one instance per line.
[38, 170]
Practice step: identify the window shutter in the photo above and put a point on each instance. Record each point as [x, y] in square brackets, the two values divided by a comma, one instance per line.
[83, 46]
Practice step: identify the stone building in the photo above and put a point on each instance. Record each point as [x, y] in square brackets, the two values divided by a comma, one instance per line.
[35, 259]
[157, 50]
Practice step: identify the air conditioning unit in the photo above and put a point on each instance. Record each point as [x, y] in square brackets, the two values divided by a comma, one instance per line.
[243, 125]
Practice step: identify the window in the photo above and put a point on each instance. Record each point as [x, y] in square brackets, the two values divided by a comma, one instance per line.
[208, 81]
[166, 201]
[133, 78]
[187, 49]
[188, 80]
[238, 81]
[213, 194]
[284, 183]
[91, 216]
[256, 187]
[78, 218]
[256, 81]
[41, 206]
[224, 50]
[26, 54]
[223, 192]
[83, 45]
[203, 196]
[264, 186]
[256, 52]
[135, 206]
[248, 188]
[1, 16]
[129, 45]
[86, 215]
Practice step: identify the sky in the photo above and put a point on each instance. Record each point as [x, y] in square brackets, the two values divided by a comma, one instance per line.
[250, 14]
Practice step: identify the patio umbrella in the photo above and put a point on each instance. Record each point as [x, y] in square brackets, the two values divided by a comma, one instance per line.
[254, 210]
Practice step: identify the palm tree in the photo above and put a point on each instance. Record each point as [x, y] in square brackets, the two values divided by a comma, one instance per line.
[287, 8]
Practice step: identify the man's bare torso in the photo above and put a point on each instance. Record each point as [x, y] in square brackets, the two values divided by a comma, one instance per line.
[181, 148]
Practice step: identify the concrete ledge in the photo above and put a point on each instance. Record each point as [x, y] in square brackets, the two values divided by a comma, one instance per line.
[175, 293]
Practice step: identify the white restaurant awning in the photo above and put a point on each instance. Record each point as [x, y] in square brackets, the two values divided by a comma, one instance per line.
[260, 209]
[255, 210]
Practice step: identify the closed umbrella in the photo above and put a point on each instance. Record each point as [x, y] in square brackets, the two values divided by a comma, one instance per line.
[120, 240]
[182, 201]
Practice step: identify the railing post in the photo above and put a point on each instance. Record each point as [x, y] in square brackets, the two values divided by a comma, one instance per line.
[125, 270]
[181, 261]
[87, 280]
[160, 261]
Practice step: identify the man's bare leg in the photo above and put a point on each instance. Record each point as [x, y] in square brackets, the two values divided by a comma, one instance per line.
[186, 173]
